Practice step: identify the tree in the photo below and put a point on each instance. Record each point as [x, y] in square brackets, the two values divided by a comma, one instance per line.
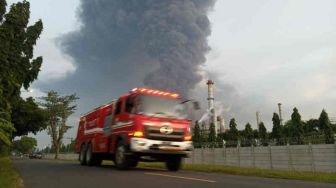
[263, 134]
[325, 127]
[233, 133]
[311, 127]
[204, 134]
[25, 144]
[18, 68]
[197, 134]
[28, 117]
[212, 134]
[58, 109]
[297, 126]
[248, 132]
[277, 128]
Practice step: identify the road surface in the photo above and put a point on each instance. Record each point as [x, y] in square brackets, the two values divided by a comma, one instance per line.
[69, 174]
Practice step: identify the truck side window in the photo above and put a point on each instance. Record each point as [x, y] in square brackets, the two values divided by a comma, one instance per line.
[107, 124]
[118, 108]
[108, 121]
[129, 104]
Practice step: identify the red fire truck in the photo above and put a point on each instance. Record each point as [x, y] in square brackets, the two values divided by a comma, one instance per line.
[142, 125]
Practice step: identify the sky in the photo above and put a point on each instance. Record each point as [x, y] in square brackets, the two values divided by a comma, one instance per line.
[262, 53]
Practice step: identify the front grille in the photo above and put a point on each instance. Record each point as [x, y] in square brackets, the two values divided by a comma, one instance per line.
[152, 132]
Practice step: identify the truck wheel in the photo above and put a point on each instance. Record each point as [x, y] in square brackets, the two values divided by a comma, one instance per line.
[174, 163]
[121, 160]
[89, 155]
[82, 155]
[92, 159]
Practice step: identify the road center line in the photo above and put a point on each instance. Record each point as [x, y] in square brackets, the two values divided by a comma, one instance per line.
[180, 177]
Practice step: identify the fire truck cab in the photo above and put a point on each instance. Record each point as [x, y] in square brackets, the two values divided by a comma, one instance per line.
[142, 125]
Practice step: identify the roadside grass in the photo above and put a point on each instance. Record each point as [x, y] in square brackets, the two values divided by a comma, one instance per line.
[9, 178]
[281, 174]
[295, 175]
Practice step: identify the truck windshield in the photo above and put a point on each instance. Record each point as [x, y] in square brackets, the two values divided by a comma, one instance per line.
[159, 106]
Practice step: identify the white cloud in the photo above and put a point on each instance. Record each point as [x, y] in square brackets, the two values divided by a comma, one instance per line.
[56, 65]
[275, 51]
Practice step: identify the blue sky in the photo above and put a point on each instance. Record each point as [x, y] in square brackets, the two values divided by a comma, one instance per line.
[267, 51]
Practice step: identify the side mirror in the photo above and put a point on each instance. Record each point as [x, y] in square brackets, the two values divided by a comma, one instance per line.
[196, 105]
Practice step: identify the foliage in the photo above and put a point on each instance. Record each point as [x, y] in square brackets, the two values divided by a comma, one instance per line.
[277, 128]
[248, 131]
[58, 109]
[297, 126]
[197, 133]
[69, 147]
[25, 144]
[311, 127]
[28, 117]
[9, 178]
[18, 68]
[6, 129]
[248, 135]
[204, 134]
[282, 174]
[233, 133]
[262, 134]
[212, 134]
[325, 126]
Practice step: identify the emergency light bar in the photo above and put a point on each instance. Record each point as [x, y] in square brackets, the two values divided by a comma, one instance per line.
[155, 92]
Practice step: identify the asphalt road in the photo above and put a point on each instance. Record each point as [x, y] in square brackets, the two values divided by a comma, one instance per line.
[69, 174]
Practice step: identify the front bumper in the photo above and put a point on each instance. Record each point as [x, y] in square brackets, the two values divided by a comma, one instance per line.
[148, 146]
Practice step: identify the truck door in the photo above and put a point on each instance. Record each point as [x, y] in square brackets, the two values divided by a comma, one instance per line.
[123, 111]
[119, 118]
[108, 122]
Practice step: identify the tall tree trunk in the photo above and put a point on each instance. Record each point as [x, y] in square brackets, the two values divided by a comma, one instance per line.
[57, 148]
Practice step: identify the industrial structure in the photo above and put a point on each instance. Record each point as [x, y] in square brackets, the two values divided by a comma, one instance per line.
[280, 113]
[258, 116]
[218, 121]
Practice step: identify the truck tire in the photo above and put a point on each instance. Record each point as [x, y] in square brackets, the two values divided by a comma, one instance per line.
[173, 163]
[121, 160]
[82, 155]
[92, 159]
[89, 157]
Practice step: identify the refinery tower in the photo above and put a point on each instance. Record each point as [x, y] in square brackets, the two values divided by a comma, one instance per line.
[211, 104]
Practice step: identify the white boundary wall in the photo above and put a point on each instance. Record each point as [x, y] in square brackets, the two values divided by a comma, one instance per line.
[314, 158]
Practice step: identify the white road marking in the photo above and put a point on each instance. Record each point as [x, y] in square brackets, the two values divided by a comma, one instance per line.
[181, 177]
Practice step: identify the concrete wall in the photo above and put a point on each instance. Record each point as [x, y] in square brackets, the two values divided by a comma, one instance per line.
[315, 158]
[65, 156]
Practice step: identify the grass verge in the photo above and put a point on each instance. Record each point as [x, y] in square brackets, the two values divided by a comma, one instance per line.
[282, 174]
[308, 176]
[9, 178]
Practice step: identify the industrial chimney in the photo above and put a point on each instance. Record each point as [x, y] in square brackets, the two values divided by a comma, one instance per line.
[258, 118]
[280, 113]
[221, 124]
[211, 104]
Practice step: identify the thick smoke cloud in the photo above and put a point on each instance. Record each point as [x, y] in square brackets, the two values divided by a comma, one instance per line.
[153, 43]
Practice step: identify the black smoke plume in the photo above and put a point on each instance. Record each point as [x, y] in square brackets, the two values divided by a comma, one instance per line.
[155, 43]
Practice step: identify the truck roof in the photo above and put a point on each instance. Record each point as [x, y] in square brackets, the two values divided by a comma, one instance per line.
[137, 91]
[98, 107]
